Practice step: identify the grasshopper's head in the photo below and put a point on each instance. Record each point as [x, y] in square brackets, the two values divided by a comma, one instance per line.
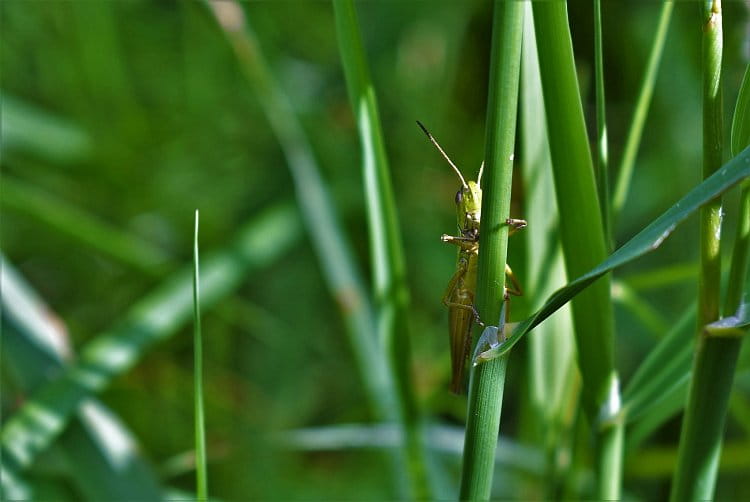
[469, 206]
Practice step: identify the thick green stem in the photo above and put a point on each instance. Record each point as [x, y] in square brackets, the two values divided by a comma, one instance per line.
[715, 358]
[487, 380]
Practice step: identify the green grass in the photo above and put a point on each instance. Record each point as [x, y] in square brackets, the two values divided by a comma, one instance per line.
[487, 381]
[200, 421]
[292, 127]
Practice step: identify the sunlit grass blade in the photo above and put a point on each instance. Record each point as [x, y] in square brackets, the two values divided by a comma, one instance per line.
[32, 131]
[741, 118]
[647, 240]
[551, 346]
[35, 348]
[602, 143]
[320, 219]
[487, 382]
[82, 226]
[389, 264]
[200, 423]
[633, 141]
[155, 317]
[443, 439]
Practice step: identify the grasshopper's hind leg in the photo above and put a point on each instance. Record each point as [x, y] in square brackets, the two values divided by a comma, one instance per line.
[514, 290]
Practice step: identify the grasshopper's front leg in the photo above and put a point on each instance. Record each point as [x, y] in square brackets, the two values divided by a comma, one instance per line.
[515, 225]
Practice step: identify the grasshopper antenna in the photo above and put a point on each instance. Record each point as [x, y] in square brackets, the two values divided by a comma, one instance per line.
[479, 178]
[463, 181]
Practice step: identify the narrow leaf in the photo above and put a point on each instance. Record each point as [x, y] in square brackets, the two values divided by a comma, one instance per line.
[741, 120]
[644, 242]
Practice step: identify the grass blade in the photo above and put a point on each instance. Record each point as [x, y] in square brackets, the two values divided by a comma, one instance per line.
[667, 363]
[602, 150]
[647, 240]
[109, 466]
[33, 131]
[155, 317]
[551, 346]
[487, 382]
[583, 238]
[633, 141]
[320, 218]
[200, 425]
[741, 119]
[389, 265]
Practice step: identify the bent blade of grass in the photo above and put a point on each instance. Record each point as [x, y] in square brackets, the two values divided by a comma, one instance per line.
[155, 317]
[486, 383]
[200, 424]
[35, 348]
[647, 240]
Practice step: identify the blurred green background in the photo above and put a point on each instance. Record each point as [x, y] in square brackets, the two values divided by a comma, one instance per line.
[136, 113]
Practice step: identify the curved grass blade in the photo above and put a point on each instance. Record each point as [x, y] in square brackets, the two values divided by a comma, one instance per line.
[644, 242]
[155, 317]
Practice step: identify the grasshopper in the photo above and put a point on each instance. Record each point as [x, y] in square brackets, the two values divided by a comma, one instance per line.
[459, 295]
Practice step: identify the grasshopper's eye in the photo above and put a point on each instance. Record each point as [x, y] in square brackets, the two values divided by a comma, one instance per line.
[459, 196]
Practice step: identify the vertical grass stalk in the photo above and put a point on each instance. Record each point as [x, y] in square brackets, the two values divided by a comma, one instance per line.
[389, 265]
[583, 238]
[200, 426]
[715, 358]
[488, 380]
[602, 161]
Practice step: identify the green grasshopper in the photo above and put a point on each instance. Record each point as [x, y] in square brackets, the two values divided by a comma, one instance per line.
[459, 295]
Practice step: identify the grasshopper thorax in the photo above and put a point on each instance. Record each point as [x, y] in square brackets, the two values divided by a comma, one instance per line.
[469, 208]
